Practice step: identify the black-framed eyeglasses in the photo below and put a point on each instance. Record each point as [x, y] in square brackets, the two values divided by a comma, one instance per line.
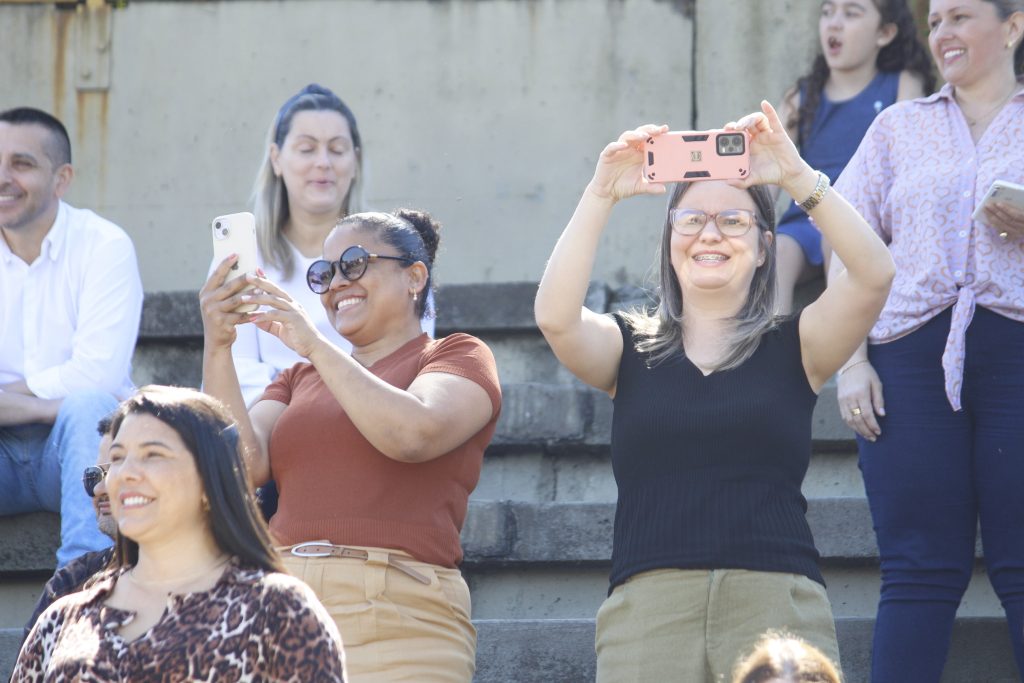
[92, 476]
[352, 265]
[730, 222]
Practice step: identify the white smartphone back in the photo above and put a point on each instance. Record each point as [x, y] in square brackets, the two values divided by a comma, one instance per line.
[1000, 191]
[235, 233]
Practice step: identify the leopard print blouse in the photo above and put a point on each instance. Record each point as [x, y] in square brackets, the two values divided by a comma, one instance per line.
[251, 626]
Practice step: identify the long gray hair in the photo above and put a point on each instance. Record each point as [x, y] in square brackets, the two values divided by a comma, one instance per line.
[270, 196]
[660, 335]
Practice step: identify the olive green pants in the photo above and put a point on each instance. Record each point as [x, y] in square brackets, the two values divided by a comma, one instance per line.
[691, 626]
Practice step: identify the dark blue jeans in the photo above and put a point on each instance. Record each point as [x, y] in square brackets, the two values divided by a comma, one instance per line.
[931, 476]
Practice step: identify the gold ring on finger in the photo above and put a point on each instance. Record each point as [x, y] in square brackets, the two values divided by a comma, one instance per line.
[855, 411]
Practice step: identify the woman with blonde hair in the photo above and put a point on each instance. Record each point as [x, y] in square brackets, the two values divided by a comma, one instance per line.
[311, 177]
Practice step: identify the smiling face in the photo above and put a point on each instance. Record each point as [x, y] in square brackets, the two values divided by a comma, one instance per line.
[154, 486]
[379, 303]
[317, 162]
[101, 500]
[968, 40]
[852, 33]
[710, 263]
[31, 185]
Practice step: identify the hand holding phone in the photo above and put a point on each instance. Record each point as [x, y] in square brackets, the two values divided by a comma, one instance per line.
[683, 156]
[1000, 191]
[235, 233]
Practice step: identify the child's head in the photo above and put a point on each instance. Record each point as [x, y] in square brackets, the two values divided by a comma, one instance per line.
[853, 33]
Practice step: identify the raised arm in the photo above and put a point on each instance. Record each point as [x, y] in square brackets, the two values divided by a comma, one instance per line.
[217, 302]
[834, 325]
[587, 343]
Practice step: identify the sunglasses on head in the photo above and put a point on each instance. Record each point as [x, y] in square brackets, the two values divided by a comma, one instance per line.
[92, 476]
[352, 265]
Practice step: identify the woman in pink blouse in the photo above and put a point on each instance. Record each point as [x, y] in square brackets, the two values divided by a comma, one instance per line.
[935, 395]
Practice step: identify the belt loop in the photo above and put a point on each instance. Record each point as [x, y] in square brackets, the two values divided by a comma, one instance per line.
[375, 576]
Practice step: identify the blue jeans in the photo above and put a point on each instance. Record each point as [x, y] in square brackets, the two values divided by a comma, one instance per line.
[931, 477]
[41, 469]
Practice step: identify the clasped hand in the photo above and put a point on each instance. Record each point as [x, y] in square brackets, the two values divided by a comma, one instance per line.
[281, 315]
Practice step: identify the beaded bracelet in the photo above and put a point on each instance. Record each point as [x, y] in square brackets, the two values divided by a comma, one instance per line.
[820, 188]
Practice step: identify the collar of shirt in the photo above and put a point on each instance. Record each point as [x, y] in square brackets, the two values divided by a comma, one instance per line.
[53, 243]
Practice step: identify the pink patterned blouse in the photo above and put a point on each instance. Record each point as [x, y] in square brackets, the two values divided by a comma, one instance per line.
[916, 178]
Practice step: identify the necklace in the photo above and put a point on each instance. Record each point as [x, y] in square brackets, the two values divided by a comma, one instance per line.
[972, 122]
[177, 580]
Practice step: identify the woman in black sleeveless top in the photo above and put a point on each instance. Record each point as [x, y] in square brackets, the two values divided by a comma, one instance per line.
[711, 434]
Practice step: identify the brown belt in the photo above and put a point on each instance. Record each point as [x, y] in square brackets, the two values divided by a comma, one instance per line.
[328, 549]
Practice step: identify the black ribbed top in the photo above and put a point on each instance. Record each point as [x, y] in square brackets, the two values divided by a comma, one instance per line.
[709, 468]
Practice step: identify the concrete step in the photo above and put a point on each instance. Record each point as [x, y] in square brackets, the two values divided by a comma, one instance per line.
[541, 651]
[509, 533]
[564, 592]
[170, 334]
[540, 476]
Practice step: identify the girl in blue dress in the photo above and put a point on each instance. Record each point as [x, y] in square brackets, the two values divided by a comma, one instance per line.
[870, 57]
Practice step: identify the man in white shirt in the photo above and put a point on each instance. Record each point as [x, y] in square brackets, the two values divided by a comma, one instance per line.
[70, 301]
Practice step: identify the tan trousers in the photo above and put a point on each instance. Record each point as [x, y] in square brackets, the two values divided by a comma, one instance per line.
[392, 627]
[691, 626]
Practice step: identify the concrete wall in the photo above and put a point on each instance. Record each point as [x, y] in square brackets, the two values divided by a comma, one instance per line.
[489, 114]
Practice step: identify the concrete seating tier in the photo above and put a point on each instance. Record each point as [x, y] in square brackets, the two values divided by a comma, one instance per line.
[538, 533]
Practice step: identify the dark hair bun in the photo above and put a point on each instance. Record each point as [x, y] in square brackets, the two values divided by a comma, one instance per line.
[428, 228]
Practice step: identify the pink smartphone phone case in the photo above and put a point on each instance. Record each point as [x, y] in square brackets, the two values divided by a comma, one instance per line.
[679, 156]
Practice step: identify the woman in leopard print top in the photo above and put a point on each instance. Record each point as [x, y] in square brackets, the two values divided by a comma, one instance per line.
[195, 593]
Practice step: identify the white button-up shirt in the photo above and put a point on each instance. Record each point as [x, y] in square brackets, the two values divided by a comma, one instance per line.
[69, 320]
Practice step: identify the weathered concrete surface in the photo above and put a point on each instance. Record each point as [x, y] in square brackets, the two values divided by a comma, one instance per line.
[28, 543]
[488, 114]
[563, 475]
[539, 651]
[573, 532]
[545, 591]
[748, 52]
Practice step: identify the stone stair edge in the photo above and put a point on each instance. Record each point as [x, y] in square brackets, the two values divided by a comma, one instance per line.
[512, 533]
[496, 532]
[542, 650]
[473, 307]
[563, 650]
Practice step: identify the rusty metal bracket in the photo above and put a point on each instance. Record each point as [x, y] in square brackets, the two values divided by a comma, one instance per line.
[94, 40]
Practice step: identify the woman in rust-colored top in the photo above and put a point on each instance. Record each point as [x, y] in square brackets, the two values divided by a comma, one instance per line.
[374, 453]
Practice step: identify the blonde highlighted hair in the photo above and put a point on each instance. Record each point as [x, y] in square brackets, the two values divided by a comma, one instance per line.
[269, 194]
[784, 658]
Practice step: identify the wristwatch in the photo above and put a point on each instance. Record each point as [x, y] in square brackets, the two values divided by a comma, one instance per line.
[820, 188]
